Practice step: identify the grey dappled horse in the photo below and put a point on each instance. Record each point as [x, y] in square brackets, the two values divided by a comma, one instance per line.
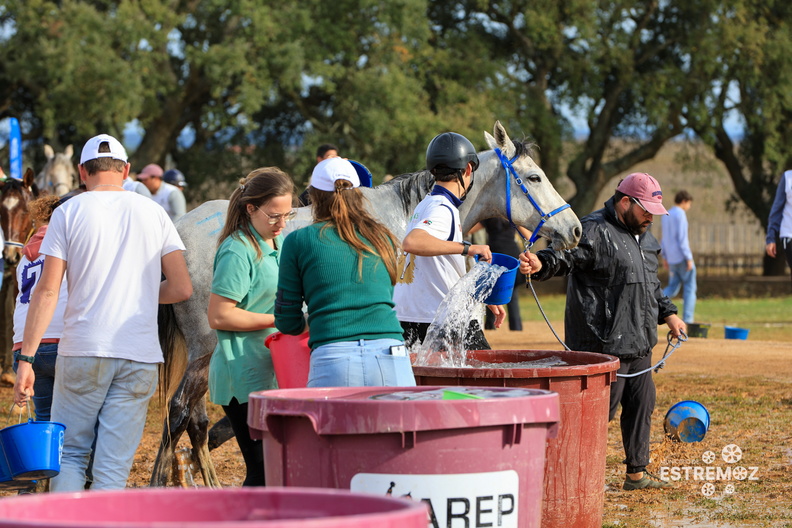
[186, 323]
[58, 175]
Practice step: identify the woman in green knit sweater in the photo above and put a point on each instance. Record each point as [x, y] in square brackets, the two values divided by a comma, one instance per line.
[343, 267]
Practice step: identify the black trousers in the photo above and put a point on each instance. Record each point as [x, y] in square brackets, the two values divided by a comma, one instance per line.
[416, 333]
[637, 398]
[252, 450]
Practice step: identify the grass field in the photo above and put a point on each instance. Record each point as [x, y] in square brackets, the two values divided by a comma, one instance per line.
[768, 319]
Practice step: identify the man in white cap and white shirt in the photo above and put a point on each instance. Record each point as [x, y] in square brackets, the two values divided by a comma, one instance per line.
[614, 304]
[170, 197]
[109, 351]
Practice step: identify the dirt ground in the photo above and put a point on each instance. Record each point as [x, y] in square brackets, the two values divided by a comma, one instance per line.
[740, 377]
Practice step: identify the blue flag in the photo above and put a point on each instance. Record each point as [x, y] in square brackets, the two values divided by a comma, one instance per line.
[15, 149]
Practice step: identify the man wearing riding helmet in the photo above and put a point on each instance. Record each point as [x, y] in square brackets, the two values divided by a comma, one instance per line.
[434, 248]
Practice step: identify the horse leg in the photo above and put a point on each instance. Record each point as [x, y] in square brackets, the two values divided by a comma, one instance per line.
[175, 424]
[197, 430]
[220, 433]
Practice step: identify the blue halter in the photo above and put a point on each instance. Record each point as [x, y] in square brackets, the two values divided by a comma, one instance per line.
[508, 165]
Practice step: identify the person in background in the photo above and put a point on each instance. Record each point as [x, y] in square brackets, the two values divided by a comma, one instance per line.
[131, 184]
[242, 302]
[434, 249]
[175, 177]
[677, 257]
[323, 152]
[168, 196]
[106, 370]
[614, 304]
[779, 224]
[343, 267]
[28, 274]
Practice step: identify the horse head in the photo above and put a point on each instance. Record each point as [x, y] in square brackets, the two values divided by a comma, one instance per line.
[509, 184]
[14, 216]
[58, 176]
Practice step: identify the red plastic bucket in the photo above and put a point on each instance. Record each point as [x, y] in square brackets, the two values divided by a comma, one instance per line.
[474, 462]
[575, 469]
[205, 508]
[291, 358]
[33, 449]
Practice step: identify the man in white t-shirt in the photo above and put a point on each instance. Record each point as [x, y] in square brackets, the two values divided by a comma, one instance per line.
[170, 197]
[114, 247]
[435, 248]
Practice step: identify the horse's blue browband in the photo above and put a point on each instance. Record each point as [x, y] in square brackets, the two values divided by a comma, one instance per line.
[508, 166]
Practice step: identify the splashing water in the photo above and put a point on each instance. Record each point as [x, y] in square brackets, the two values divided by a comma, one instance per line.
[444, 345]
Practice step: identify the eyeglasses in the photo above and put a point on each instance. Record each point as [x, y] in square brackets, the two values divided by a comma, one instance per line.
[274, 219]
[636, 202]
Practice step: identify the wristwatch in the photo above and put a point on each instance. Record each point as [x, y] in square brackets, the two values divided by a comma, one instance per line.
[465, 247]
[29, 359]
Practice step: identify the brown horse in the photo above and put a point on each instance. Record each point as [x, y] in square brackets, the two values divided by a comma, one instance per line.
[17, 228]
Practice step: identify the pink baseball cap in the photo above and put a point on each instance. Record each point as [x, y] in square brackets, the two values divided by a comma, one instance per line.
[152, 169]
[646, 190]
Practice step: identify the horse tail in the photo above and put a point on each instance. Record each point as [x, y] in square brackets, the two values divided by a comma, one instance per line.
[174, 351]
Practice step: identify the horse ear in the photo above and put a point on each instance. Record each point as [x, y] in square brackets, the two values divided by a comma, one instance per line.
[49, 153]
[68, 151]
[502, 140]
[27, 179]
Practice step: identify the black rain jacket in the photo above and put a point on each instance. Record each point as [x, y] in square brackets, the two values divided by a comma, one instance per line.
[614, 299]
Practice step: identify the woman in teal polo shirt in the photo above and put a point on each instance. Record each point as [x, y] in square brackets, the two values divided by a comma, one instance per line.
[242, 301]
[343, 267]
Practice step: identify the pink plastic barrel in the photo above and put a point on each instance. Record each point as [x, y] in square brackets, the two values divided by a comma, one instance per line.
[575, 469]
[207, 508]
[474, 462]
[291, 358]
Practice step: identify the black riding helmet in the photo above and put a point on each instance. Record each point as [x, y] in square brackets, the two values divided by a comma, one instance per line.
[448, 155]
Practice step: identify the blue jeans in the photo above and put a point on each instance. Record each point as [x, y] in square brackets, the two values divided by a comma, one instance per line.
[363, 363]
[106, 399]
[680, 277]
[44, 369]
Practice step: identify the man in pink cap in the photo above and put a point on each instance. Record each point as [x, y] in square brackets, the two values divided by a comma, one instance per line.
[169, 196]
[614, 304]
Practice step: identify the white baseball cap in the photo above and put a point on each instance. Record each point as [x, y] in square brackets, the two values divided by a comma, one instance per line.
[328, 171]
[91, 149]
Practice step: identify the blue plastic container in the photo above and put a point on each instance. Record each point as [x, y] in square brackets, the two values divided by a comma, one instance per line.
[733, 332]
[687, 421]
[504, 287]
[33, 449]
[7, 481]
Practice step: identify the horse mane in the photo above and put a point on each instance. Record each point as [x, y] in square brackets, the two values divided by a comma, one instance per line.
[411, 188]
[526, 147]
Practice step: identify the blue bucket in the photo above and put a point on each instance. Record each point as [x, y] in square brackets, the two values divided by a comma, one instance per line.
[33, 449]
[687, 421]
[504, 287]
[733, 332]
[7, 481]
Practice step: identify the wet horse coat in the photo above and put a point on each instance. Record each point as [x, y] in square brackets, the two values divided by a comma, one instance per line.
[185, 329]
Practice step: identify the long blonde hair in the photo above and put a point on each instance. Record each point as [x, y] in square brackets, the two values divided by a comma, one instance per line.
[345, 209]
[257, 188]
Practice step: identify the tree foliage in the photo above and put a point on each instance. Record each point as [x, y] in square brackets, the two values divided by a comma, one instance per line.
[223, 86]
